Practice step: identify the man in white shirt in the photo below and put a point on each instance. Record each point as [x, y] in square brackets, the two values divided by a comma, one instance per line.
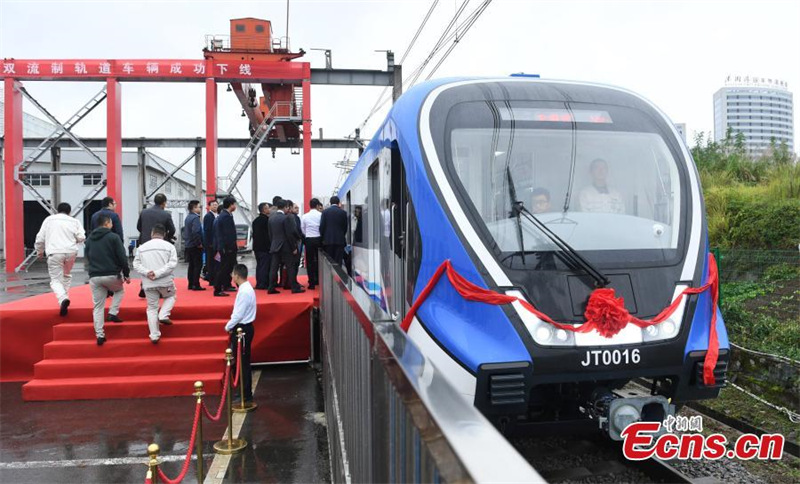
[156, 260]
[59, 238]
[599, 197]
[243, 315]
[310, 227]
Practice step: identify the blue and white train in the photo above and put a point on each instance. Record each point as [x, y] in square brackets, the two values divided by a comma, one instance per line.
[545, 190]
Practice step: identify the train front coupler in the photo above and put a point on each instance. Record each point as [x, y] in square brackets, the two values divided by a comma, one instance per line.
[614, 411]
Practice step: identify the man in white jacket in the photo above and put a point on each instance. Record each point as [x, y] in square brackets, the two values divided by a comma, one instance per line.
[156, 260]
[59, 238]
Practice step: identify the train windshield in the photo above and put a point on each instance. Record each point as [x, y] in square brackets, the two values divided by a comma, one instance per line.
[601, 177]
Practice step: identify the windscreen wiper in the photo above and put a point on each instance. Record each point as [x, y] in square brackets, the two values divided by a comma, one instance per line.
[518, 209]
[516, 212]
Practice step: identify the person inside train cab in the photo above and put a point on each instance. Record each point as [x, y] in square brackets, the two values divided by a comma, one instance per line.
[540, 200]
[599, 196]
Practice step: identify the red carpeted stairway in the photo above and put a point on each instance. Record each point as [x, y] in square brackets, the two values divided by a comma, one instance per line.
[128, 365]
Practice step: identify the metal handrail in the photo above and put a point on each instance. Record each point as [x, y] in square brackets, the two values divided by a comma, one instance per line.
[392, 415]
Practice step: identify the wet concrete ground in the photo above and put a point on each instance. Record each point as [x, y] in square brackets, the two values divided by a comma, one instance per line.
[106, 441]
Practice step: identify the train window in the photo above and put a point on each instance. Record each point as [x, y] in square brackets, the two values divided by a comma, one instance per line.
[601, 177]
[260, 29]
[239, 27]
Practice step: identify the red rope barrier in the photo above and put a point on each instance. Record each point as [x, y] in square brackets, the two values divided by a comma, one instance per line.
[605, 313]
[218, 415]
[238, 362]
[148, 479]
[188, 459]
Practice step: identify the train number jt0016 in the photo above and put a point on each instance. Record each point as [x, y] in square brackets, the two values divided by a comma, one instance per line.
[611, 357]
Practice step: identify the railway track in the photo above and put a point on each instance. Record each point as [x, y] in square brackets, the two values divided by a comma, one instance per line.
[594, 459]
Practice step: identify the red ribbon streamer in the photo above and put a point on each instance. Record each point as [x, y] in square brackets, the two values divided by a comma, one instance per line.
[189, 451]
[604, 313]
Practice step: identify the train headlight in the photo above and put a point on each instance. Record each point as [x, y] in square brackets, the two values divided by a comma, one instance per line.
[670, 327]
[544, 334]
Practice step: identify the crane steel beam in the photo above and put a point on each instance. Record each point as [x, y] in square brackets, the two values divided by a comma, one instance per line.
[352, 77]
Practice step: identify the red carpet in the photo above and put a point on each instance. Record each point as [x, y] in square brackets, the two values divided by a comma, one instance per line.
[62, 357]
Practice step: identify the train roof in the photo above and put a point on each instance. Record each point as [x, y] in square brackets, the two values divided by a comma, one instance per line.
[404, 115]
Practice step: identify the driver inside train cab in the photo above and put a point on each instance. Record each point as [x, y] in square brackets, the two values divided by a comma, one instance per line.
[540, 200]
[599, 196]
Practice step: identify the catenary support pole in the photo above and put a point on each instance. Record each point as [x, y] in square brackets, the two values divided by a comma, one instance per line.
[12, 154]
[55, 181]
[141, 164]
[254, 184]
[198, 173]
[114, 143]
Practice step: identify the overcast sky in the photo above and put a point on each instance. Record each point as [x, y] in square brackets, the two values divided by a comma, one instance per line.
[675, 53]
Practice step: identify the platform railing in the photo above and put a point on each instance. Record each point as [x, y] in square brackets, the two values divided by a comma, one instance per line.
[391, 415]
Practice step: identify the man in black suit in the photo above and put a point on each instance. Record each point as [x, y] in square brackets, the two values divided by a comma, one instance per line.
[152, 216]
[225, 233]
[284, 239]
[261, 245]
[208, 241]
[332, 229]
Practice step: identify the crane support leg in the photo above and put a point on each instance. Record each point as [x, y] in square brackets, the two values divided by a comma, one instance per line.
[306, 143]
[114, 146]
[13, 203]
[211, 139]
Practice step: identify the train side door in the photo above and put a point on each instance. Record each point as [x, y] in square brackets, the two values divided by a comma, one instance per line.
[392, 209]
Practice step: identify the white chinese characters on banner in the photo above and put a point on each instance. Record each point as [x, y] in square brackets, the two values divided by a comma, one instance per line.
[152, 68]
[223, 68]
[33, 67]
[199, 68]
[104, 68]
[80, 68]
[57, 68]
[176, 68]
[127, 68]
[8, 68]
[244, 70]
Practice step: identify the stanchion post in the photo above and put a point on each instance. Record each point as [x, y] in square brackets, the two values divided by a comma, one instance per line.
[152, 464]
[198, 392]
[230, 445]
[243, 406]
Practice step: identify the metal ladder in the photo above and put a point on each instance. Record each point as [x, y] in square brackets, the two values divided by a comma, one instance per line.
[61, 131]
[258, 138]
[27, 263]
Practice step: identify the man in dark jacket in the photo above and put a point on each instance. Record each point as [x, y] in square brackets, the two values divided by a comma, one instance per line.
[291, 212]
[284, 240]
[193, 245]
[332, 229]
[108, 207]
[261, 245]
[225, 237]
[208, 241]
[107, 265]
[152, 216]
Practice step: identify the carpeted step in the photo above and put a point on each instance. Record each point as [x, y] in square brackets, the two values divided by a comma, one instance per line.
[141, 386]
[138, 347]
[48, 369]
[138, 329]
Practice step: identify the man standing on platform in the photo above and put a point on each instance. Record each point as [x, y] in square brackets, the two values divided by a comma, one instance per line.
[310, 226]
[156, 260]
[152, 216]
[261, 245]
[109, 206]
[107, 265]
[243, 315]
[193, 245]
[208, 241]
[283, 247]
[225, 234]
[332, 228]
[59, 237]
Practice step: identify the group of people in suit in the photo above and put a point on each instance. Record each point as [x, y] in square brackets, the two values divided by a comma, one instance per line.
[280, 235]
